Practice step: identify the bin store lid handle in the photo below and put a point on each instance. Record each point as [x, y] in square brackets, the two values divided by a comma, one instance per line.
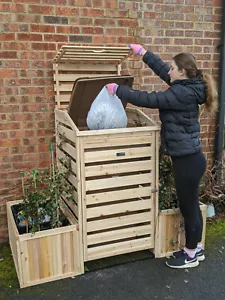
[99, 51]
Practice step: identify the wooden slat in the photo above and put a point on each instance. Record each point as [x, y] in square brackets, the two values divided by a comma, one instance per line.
[96, 48]
[69, 149]
[58, 244]
[70, 177]
[117, 154]
[63, 117]
[139, 117]
[71, 218]
[117, 168]
[64, 97]
[75, 197]
[34, 246]
[119, 221]
[57, 87]
[120, 248]
[122, 181]
[13, 237]
[64, 87]
[72, 205]
[82, 197]
[83, 53]
[119, 234]
[131, 131]
[73, 77]
[94, 56]
[62, 155]
[120, 208]
[98, 198]
[112, 141]
[90, 59]
[24, 261]
[86, 67]
[63, 106]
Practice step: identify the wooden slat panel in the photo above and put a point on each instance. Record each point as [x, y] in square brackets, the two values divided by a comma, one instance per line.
[120, 208]
[120, 248]
[119, 234]
[86, 67]
[117, 168]
[119, 221]
[117, 154]
[112, 141]
[98, 198]
[122, 181]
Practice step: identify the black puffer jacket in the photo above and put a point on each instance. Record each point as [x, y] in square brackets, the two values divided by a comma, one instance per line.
[178, 108]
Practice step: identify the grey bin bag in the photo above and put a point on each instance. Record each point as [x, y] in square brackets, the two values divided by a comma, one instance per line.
[106, 112]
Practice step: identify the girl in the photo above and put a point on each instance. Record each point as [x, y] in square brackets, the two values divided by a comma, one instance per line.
[180, 129]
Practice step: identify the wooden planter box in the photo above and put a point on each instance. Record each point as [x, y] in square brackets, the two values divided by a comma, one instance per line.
[46, 255]
[170, 235]
[114, 172]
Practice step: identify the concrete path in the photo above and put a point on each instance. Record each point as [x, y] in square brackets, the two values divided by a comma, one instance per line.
[144, 279]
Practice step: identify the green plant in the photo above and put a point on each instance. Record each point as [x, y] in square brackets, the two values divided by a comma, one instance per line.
[167, 191]
[42, 196]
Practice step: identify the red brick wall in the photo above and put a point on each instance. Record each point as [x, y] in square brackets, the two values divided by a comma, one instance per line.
[33, 30]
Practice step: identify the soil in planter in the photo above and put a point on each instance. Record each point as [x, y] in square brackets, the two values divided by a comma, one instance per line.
[44, 226]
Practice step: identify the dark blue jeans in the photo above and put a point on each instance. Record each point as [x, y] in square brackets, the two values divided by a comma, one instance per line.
[188, 171]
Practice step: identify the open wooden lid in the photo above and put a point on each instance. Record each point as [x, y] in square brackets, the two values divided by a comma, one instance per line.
[92, 53]
[85, 90]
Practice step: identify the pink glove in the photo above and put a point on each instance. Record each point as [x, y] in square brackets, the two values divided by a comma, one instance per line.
[137, 49]
[112, 88]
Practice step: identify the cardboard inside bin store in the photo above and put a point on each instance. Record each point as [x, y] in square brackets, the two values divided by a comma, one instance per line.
[84, 92]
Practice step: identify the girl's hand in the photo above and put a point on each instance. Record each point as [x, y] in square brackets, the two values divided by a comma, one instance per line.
[137, 49]
[112, 88]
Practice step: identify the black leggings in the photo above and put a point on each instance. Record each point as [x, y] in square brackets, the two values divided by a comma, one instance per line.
[188, 171]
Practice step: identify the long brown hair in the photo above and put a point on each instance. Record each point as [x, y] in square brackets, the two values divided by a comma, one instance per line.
[187, 62]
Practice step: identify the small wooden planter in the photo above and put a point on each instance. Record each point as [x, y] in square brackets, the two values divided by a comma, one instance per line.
[170, 235]
[46, 255]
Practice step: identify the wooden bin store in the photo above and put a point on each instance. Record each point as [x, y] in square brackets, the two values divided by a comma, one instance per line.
[114, 172]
